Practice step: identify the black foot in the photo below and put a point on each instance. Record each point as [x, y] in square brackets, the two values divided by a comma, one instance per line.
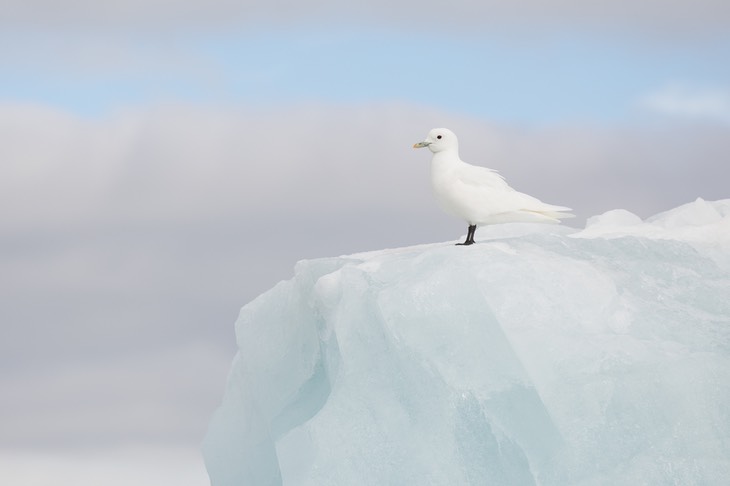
[469, 236]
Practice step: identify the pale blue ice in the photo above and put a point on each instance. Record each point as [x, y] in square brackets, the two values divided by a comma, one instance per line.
[542, 355]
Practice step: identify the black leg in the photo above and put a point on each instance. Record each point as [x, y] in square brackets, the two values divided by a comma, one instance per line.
[470, 235]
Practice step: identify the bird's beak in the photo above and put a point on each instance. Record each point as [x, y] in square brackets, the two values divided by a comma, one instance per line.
[421, 144]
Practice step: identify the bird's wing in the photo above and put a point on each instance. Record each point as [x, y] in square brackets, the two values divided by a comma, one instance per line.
[481, 177]
[476, 178]
[481, 195]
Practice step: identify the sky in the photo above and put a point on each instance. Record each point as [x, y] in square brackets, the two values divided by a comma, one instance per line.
[163, 163]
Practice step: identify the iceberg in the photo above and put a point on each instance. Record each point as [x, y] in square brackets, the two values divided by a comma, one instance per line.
[542, 355]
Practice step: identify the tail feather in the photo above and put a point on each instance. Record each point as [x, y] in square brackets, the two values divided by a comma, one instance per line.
[555, 212]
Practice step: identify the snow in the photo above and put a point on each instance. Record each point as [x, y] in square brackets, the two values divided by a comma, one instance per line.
[701, 221]
[541, 355]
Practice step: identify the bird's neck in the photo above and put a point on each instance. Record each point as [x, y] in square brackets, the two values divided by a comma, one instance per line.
[445, 158]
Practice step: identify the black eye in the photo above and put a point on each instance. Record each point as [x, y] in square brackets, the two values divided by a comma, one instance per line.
[439, 137]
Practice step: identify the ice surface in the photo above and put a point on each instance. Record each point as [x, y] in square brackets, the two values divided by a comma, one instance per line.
[541, 355]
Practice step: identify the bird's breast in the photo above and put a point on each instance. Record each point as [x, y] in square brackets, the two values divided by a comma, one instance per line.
[448, 192]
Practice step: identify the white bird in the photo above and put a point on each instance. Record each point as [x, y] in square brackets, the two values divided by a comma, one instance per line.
[479, 195]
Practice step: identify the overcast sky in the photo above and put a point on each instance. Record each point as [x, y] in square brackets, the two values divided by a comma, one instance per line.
[163, 162]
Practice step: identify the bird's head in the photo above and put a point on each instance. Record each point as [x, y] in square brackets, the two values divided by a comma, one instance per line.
[438, 140]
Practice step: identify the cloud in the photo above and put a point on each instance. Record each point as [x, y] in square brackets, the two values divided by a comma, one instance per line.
[140, 465]
[160, 396]
[690, 102]
[187, 164]
[682, 18]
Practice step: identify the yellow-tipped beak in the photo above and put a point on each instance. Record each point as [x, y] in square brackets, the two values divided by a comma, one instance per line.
[421, 144]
